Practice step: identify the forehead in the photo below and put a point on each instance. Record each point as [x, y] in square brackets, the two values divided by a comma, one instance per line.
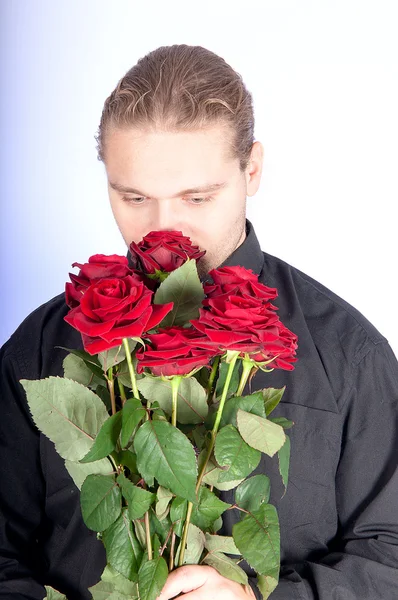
[136, 157]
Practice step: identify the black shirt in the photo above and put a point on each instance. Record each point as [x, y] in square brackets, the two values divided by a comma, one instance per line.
[339, 516]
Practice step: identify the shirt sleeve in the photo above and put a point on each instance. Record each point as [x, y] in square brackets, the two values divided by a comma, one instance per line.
[21, 490]
[363, 561]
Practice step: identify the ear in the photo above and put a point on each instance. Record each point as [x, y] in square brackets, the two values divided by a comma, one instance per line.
[254, 169]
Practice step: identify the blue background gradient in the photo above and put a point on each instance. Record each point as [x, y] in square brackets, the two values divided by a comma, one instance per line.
[324, 77]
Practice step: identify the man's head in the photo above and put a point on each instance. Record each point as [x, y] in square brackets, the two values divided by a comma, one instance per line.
[181, 119]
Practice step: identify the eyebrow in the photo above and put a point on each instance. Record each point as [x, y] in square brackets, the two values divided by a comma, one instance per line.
[196, 190]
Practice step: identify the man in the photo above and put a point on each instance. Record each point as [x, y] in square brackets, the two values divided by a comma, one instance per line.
[176, 139]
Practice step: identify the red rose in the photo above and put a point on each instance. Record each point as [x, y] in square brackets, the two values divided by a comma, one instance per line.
[228, 279]
[242, 318]
[172, 352]
[99, 266]
[285, 349]
[163, 251]
[112, 309]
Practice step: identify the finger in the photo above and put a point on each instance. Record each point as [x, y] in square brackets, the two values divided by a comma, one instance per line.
[213, 590]
[218, 589]
[185, 579]
[201, 593]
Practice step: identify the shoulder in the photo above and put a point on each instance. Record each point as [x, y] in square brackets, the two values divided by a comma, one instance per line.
[331, 321]
[33, 345]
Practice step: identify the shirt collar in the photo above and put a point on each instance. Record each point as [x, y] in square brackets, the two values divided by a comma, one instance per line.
[248, 254]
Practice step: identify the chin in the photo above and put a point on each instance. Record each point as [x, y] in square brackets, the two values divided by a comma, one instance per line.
[203, 269]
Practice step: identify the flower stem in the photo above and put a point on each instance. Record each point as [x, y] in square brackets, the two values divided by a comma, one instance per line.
[111, 387]
[218, 418]
[216, 425]
[131, 368]
[122, 392]
[162, 549]
[175, 384]
[171, 556]
[185, 534]
[148, 535]
[137, 395]
[247, 366]
[210, 385]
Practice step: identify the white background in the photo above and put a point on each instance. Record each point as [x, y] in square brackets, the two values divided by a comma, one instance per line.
[324, 77]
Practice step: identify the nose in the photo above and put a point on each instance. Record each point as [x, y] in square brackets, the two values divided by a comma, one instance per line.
[166, 216]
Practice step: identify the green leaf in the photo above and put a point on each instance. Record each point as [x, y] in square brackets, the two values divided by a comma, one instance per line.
[226, 567]
[218, 523]
[164, 497]
[284, 460]
[106, 439]
[68, 413]
[208, 509]
[101, 502]
[103, 590]
[194, 546]
[232, 451]
[186, 430]
[77, 369]
[257, 538]
[192, 405]
[53, 594]
[285, 423]
[213, 472]
[155, 544]
[266, 585]
[158, 413]
[113, 586]
[178, 513]
[90, 360]
[184, 288]
[202, 376]
[138, 500]
[198, 436]
[160, 526]
[79, 471]
[106, 591]
[103, 393]
[152, 577]
[123, 551]
[272, 397]
[123, 374]
[132, 413]
[140, 533]
[252, 404]
[252, 492]
[128, 459]
[260, 433]
[165, 453]
[222, 375]
[221, 543]
[113, 356]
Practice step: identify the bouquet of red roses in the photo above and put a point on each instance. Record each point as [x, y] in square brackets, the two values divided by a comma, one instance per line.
[150, 417]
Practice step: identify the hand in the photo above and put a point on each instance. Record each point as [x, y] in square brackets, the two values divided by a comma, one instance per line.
[201, 582]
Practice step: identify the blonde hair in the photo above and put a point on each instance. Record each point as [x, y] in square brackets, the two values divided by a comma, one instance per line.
[182, 88]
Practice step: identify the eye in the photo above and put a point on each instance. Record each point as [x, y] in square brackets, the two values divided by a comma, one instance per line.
[199, 201]
[141, 200]
[133, 200]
